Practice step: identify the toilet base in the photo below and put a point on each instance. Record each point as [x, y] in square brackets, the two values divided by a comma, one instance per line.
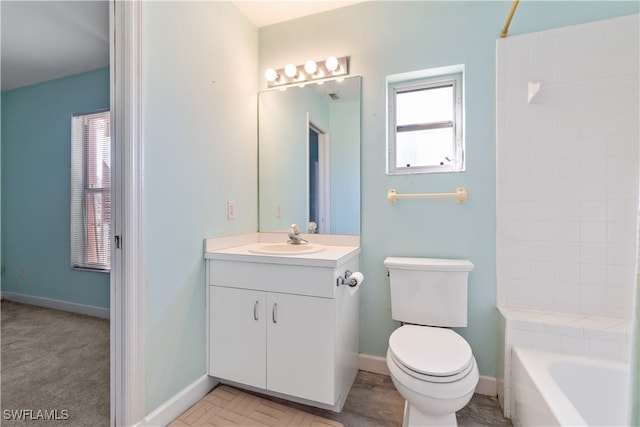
[413, 417]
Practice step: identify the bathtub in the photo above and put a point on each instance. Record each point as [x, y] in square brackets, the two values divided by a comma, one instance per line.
[554, 389]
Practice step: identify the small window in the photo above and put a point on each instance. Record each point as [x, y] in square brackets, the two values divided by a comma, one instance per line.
[425, 125]
[91, 191]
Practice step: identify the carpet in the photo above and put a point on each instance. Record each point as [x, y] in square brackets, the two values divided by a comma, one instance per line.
[228, 406]
[54, 367]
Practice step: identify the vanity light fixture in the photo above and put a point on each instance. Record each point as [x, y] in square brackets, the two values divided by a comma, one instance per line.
[331, 63]
[311, 71]
[310, 67]
[290, 71]
[271, 75]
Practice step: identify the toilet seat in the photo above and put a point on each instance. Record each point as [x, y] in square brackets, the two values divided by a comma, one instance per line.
[431, 354]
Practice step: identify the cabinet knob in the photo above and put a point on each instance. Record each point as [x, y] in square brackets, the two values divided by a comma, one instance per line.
[274, 313]
[256, 310]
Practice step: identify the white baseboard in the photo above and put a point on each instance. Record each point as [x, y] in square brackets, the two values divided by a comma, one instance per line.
[487, 386]
[178, 404]
[378, 365]
[72, 307]
[375, 364]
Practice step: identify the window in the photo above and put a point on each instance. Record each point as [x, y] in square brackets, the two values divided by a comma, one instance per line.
[425, 123]
[91, 191]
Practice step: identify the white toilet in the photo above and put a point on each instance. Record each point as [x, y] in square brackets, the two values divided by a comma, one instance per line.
[432, 366]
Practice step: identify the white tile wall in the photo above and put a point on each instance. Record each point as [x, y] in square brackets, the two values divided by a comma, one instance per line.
[567, 191]
[567, 174]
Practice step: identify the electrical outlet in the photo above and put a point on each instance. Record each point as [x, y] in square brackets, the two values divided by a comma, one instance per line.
[23, 273]
[231, 209]
[278, 210]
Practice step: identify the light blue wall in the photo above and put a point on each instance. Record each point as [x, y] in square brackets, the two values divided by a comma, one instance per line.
[385, 38]
[36, 153]
[199, 120]
[345, 167]
[635, 363]
[1, 215]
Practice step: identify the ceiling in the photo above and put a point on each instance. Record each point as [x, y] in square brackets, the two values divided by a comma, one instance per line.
[263, 13]
[44, 40]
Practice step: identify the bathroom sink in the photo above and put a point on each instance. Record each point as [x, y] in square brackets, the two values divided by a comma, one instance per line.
[286, 249]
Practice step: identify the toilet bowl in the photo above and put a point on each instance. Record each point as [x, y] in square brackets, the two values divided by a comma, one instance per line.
[431, 366]
[434, 370]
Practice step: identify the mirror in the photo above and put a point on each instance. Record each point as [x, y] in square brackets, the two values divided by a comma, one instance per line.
[309, 157]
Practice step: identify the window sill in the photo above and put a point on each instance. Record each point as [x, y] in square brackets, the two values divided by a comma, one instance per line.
[92, 270]
[416, 171]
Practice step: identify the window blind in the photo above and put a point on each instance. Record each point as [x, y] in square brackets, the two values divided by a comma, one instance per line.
[91, 191]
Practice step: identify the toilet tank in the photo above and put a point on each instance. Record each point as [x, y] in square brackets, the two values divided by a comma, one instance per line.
[429, 291]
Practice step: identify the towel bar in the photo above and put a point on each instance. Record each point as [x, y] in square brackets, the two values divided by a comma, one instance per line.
[460, 195]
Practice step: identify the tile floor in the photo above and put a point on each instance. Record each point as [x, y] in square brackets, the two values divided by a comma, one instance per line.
[226, 406]
[374, 402]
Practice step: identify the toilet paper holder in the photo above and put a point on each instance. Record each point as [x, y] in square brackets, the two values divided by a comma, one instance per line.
[347, 279]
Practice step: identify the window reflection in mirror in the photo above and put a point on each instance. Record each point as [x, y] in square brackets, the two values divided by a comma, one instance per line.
[304, 180]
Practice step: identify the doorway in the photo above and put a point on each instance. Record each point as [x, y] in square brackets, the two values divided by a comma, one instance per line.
[318, 179]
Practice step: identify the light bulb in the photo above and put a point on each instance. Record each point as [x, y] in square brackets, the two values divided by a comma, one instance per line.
[271, 75]
[310, 67]
[291, 70]
[331, 63]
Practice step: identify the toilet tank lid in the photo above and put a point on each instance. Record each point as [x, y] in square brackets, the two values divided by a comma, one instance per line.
[433, 264]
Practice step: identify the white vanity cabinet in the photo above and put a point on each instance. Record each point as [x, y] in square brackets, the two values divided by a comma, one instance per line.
[283, 329]
[270, 340]
[238, 336]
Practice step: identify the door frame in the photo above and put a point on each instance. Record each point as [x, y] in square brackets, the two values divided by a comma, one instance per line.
[324, 178]
[127, 392]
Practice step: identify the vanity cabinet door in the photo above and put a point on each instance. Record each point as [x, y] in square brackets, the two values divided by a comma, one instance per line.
[301, 346]
[238, 335]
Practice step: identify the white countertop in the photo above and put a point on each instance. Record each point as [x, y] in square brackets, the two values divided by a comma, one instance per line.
[331, 256]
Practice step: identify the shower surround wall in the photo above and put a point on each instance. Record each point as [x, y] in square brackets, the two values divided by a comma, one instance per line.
[567, 189]
[567, 174]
